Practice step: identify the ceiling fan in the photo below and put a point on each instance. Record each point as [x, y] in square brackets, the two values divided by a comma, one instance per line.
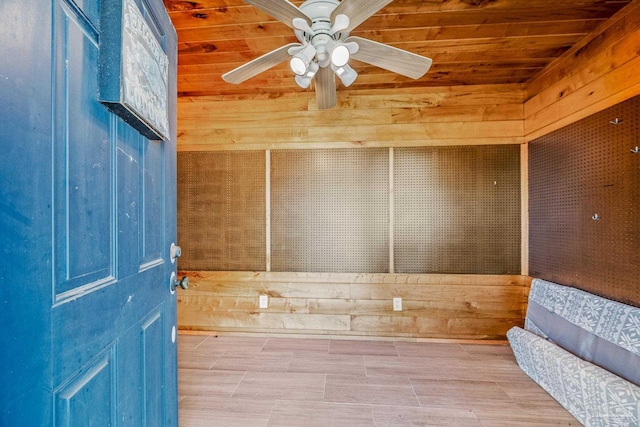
[323, 27]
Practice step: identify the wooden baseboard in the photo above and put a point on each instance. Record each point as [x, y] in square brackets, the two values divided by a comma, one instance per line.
[354, 306]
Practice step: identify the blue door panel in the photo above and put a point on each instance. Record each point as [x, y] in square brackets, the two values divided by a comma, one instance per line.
[82, 158]
[152, 341]
[152, 198]
[142, 354]
[128, 159]
[88, 399]
[89, 8]
[94, 320]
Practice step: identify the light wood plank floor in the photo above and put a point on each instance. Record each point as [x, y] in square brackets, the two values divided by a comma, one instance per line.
[231, 381]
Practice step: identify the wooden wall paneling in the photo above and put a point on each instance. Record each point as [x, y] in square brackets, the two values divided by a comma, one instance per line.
[597, 73]
[355, 144]
[486, 115]
[441, 306]
[346, 304]
[593, 75]
[397, 135]
[610, 45]
[589, 99]
[197, 114]
[361, 101]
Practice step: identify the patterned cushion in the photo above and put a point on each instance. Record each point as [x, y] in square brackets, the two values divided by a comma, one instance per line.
[594, 396]
[603, 332]
[613, 321]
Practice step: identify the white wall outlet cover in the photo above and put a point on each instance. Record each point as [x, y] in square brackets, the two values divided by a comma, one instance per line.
[264, 301]
[397, 304]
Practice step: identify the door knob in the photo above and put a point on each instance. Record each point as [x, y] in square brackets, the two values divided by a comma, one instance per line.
[183, 283]
[175, 252]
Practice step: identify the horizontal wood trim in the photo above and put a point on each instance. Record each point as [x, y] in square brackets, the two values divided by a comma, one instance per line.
[384, 278]
[612, 88]
[257, 321]
[483, 115]
[595, 74]
[434, 305]
[433, 327]
[296, 133]
[215, 333]
[355, 144]
[609, 42]
[337, 118]
[506, 306]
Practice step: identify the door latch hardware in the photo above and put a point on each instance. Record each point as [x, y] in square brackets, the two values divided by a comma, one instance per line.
[182, 283]
[175, 252]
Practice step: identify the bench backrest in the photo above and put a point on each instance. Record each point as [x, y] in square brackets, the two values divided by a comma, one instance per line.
[599, 330]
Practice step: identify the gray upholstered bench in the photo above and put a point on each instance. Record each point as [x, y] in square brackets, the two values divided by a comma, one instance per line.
[584, 350]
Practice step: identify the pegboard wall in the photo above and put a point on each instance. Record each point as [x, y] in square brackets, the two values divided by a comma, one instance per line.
[457, 210]
[330, 210]
[584, 203]
[221, 210]
[453, 210]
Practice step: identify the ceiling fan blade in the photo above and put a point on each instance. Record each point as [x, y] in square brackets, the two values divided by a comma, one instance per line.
[358, 11]
[390, 58]
[258, 65]
[325, 81]
[282, 10]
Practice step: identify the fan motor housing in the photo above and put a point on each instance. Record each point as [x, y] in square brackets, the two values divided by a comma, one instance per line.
[319, 11]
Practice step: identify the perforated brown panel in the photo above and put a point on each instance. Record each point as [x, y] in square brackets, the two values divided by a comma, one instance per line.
[584, 169]
[221, 210]
[457, 210]
[330, 210]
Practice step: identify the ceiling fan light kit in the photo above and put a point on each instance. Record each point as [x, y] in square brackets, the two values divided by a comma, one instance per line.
[346, 74]
[322, 28]
[339, 55]
[304, 81]
[301, 61]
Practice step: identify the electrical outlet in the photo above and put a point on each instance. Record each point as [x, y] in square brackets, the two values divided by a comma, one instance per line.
[397, 304]
[264, 301]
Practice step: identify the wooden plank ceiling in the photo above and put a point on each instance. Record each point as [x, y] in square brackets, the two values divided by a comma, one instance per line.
[472, 42]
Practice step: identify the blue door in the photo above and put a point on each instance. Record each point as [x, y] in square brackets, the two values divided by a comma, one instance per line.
[87, 219]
